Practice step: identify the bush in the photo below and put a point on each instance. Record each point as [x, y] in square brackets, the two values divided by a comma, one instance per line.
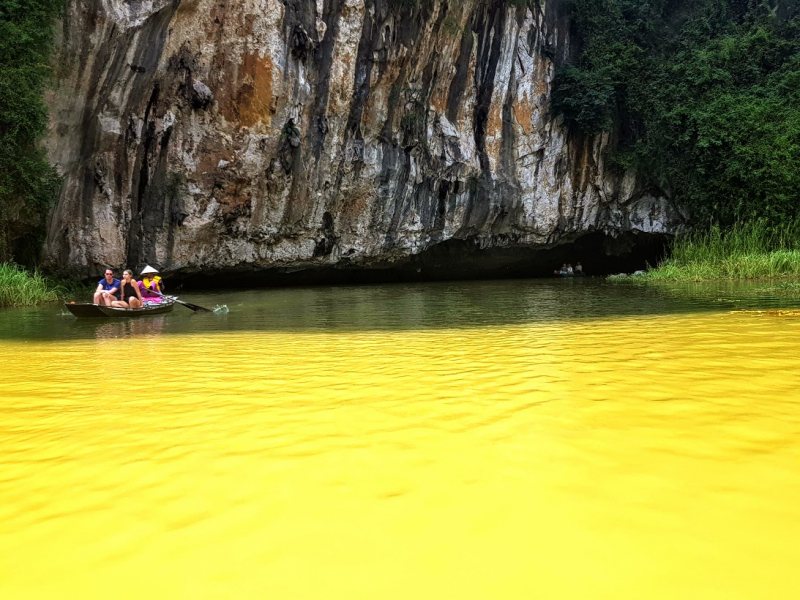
[584, 97]
[19, 287]
[28, 184]
[704, 96]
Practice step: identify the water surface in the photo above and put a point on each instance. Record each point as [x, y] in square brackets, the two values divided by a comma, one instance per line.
[549, 439]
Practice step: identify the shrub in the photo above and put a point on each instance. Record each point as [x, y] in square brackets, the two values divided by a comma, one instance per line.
[19, 287]
[704, 96]
[28, 184]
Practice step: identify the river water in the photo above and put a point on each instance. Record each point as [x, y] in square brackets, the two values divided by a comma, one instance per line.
[516, 439]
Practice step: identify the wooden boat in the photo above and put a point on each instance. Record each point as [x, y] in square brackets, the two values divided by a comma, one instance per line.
[86, 310]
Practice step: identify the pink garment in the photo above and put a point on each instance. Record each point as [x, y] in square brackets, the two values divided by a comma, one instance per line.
[148, 294]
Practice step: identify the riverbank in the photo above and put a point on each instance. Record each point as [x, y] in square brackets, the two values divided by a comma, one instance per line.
[20, 287]
[751, 251]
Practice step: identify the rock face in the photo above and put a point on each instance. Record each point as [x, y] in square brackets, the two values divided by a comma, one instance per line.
[248, 135]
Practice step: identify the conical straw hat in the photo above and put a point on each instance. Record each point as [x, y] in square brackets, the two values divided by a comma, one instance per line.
[148, 270]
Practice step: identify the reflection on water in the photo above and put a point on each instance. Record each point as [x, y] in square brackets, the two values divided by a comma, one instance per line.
[118, 328]
[507, 440]
[413, 307]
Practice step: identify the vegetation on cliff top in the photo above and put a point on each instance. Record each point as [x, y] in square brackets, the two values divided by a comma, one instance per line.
[28, 184]
[701, 96]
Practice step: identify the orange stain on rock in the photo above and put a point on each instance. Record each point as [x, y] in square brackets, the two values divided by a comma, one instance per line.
[522, 113]
[494, 123]
[211, 153]
[249, 100]
[185, 10]
[439, 100]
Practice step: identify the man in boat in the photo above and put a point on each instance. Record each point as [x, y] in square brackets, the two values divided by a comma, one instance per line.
[108, 289]
[151, 285]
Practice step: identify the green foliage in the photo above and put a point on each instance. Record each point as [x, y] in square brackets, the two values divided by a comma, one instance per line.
[585, 98]
[19, 287]
[749, 250]
[703, 96]
[28, 184]
[23, 287]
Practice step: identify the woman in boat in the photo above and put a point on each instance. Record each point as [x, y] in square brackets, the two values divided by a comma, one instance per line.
[151, 285]
[150, 276]
[131, 296]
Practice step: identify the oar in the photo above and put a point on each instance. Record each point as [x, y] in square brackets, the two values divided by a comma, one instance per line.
[188, 305]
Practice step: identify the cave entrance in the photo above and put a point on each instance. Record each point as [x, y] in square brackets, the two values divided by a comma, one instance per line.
[599, 254]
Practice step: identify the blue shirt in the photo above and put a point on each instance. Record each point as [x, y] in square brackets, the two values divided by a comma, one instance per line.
[107, 286]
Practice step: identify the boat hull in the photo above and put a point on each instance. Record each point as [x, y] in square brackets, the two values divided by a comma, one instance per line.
[94, 311]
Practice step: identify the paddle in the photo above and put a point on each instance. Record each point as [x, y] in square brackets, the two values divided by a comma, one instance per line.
[188, 305]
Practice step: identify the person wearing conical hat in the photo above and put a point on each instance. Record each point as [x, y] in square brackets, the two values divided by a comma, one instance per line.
[151, 285]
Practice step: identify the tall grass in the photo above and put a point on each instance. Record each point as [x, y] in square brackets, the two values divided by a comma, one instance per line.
[746, 251]
[19, 287]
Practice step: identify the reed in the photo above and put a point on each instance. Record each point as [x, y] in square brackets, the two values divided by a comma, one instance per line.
[19, 287]
[746, 251]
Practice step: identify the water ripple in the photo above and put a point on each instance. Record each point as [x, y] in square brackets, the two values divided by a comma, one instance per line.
[270, 462]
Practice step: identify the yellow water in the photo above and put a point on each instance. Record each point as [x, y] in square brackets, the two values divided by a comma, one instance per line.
[619, 458]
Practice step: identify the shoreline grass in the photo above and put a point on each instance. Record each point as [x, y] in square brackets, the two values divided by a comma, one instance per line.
[746, 251]
[20, 287]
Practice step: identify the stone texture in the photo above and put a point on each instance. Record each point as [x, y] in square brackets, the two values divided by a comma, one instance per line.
[238, 135]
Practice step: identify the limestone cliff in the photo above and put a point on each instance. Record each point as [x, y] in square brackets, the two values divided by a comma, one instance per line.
[234, 135]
